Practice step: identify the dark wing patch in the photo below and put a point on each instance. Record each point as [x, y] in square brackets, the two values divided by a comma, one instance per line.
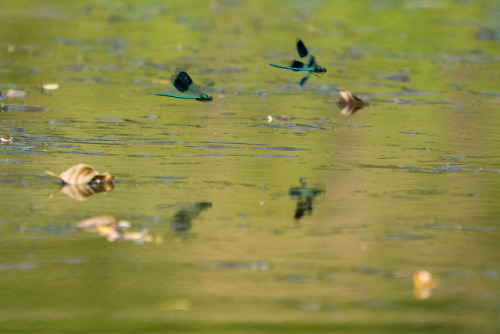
[304, 79]
[301, 49]
[182, 81]
[297, 64]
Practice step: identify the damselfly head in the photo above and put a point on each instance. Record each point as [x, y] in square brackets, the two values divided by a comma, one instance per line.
[320, 69]
[205, 97]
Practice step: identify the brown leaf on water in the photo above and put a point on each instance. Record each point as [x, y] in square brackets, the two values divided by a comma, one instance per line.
[350, 103]
[113, 230]
[82, 174]
[6, 140]
[82, 181]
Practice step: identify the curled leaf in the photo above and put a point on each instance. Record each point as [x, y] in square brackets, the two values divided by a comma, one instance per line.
[82, 174]
[350, 103]
[82, 181]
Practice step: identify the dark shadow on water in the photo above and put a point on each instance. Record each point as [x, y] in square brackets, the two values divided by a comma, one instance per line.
[305, 197]
[181, 222]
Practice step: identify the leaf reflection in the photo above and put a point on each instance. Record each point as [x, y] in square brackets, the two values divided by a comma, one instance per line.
[350, 103]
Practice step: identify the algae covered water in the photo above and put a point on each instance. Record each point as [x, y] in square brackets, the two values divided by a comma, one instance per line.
[270, 208]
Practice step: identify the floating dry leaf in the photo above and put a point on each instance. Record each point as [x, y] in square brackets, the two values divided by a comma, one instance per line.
[5, 140]
[82, 181]
[82, 174]
[113, 230]
[92, 224]
[350, 103]
[137, 237]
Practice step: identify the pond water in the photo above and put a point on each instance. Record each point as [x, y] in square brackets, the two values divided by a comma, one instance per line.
[314, 219]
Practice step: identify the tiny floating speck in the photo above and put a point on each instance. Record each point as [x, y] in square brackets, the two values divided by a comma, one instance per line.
[50, 86]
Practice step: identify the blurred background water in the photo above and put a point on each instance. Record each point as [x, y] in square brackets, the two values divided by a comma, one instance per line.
[383, 220]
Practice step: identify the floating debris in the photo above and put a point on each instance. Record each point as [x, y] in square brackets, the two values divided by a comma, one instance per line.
[6, 140]
[82, 181]
[12, 93]
[49, 87]
[423, 284]
[93, 224]
[113, 229]
[350, 103]
[136, 237]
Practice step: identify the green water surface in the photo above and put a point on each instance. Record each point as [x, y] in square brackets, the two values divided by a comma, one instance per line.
[317, 220]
